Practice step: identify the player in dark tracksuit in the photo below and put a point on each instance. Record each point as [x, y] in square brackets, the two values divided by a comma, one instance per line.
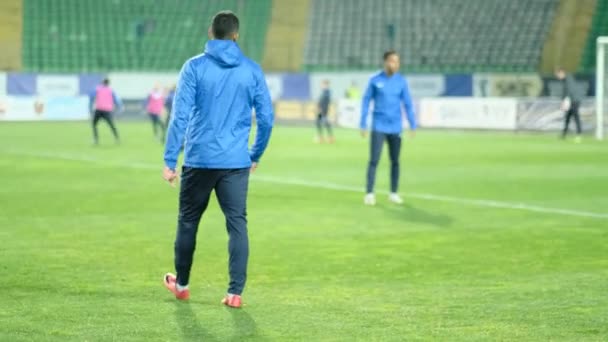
[215, 95]
[574, 94]
[322, 120]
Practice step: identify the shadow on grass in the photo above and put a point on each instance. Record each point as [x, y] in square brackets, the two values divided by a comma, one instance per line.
[245, 327]
[191, 328]
[412, 214]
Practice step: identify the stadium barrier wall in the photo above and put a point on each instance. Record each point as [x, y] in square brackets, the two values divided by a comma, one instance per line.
[477, 113]
[2, 84]
[545, 115]
[34, 108]
[30, 96]
[299, 86]
[526, 114]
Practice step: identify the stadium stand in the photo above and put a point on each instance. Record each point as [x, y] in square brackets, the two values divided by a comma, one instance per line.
[598, 28]
[568, 35]
[11, 22]
[63, 35]
[431, 35]
[286, 35]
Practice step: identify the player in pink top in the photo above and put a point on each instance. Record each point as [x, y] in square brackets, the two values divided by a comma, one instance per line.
[154, 107]
[103, 102]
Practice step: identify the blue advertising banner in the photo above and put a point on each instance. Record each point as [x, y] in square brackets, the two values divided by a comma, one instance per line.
[20, 84]
[88, 82]
[296, 87]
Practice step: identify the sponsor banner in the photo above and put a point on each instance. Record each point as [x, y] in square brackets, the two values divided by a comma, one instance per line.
[546, 115]
[507, 85]
[30, 108]
[138, 85]
[488, 113]
[134, 85]
[420, 85]
[133, 109]
[299, 110]
[458, 85]
[2, 84]
[275, 86]
[57, 85]
[426, 85]
[349, 113]
[88, 83]
[21, 108]
[296, 87]
[339, 82]
[20, 84]
[290, 110]
[555, 88]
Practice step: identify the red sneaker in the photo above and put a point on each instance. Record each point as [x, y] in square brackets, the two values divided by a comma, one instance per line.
[170, 282]
[233, 301]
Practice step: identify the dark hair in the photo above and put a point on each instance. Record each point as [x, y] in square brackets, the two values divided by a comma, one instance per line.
[106, 81]
[389, 53]
[224, 24]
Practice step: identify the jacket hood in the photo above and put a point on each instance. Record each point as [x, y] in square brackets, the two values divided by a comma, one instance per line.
[225, 52]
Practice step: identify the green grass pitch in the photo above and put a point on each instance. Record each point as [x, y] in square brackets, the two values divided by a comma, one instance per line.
[87, 233]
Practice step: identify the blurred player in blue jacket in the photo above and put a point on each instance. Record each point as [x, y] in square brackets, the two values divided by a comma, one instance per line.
[388, 90]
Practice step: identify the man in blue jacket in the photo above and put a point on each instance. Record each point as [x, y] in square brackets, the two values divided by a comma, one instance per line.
[388, 89]
[212, 109]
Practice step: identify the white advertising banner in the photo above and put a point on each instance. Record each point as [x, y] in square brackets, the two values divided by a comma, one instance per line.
[544, 114]
[349, 113]
[2, 84]
[338, 83]
[57, 85]
[481, 113]
[31, 108]
[137, 85]
[420, 85]
[507, 85]
[426, 85]
[275, 86]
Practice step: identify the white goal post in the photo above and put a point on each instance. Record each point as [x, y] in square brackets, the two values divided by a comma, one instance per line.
[601, 91]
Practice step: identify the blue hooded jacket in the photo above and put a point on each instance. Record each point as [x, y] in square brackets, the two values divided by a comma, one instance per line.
[212, 110]
[388, 93]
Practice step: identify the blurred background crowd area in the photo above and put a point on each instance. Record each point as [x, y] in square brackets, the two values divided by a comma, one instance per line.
[455, 48]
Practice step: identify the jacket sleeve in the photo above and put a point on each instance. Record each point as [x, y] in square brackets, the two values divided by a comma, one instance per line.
[116, 100]
[264, 116]
[367, 97]
[184, 103]
[409, 107]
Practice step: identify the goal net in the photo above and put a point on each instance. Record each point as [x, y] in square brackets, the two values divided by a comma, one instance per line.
[601, 87]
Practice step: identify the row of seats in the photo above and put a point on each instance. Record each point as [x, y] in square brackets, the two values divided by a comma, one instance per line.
[455, 35]
[93, 35]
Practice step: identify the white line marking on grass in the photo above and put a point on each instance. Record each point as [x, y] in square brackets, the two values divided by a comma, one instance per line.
[439, 198]
[333, 186]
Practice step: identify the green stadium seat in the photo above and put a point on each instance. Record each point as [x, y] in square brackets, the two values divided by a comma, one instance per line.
[444, 36]
[99, 36]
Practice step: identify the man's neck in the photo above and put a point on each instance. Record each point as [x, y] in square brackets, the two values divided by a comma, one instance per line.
[388, 73]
